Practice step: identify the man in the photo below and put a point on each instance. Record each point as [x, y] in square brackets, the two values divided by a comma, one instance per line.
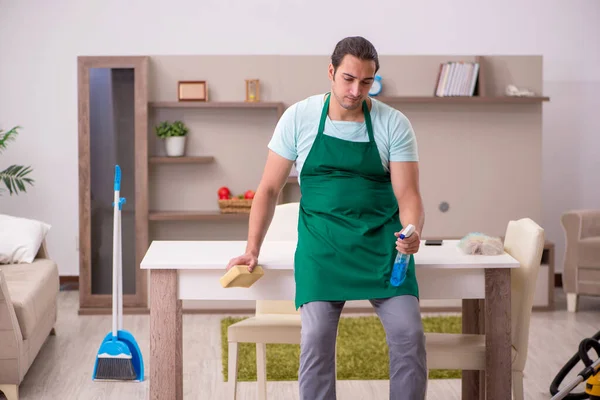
[358, 165]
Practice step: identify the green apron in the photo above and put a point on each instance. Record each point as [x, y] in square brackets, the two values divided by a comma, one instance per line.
[348, 215]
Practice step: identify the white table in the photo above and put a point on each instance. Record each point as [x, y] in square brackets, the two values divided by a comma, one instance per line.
[190, 270]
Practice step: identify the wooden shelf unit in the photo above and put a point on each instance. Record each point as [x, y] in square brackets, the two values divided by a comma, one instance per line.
[182, 160]
[462, 99]
[153, 99]
[203, 215]
[276, 105]
[481, 94]
[194, 216]
[385, 99]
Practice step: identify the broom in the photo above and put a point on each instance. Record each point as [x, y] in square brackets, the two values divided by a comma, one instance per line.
[114, 360]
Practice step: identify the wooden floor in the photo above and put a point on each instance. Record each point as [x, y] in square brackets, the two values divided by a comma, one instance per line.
[63, 368]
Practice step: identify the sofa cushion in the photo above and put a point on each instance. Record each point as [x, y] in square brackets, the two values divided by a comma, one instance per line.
[589, 252]
[33, 290]
[20, 239]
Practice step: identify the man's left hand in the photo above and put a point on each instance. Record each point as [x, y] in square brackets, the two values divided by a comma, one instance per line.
[408, 245]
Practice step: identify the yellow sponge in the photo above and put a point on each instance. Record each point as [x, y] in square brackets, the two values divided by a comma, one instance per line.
[239, 276]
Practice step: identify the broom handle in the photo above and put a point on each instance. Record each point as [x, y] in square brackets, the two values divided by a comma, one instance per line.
[116, 229]
[120, 276]
[115, 262]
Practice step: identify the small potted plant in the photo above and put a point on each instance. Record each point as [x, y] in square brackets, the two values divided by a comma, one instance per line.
[174, 134]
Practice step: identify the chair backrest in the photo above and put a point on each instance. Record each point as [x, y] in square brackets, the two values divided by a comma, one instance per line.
[284, 226]
[524, 241]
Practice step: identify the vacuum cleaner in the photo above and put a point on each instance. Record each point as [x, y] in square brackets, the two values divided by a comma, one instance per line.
[589, 373]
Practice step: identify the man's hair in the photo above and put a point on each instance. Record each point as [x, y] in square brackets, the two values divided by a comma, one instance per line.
[356, 46]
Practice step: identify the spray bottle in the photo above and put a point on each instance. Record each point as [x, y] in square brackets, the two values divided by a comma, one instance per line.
[401, 262]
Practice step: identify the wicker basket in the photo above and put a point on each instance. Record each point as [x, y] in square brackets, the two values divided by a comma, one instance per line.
[235, 206]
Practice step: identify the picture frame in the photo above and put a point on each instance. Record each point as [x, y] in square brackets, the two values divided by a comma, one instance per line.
[252, 90]
[192, 91]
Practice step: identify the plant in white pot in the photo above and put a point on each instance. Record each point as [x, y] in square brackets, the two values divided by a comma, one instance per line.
[175, 135]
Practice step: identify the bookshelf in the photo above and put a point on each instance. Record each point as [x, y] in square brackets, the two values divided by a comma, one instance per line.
[194, 216]
[217, 104]
[182, 160]
[453, 130]
[475, 134]
[462, 100]
[195, 112]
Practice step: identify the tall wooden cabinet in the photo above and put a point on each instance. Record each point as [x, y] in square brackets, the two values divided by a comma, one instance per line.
[112, 118]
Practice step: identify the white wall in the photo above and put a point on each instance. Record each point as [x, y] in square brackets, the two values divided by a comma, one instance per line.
[40, 40]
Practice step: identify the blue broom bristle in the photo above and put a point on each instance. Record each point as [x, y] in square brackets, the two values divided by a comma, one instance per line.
[115, 369]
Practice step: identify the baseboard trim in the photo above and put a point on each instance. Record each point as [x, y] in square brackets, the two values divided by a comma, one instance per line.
[69, 282]
[108, 310]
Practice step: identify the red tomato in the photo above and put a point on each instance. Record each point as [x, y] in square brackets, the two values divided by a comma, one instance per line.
[224, 192]
[249, 194]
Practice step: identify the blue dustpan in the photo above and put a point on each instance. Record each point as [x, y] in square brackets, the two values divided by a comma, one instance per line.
[130, 347]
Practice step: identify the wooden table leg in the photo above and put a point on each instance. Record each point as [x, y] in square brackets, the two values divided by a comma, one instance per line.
[472, 322]
[166, 366]
[498, 379]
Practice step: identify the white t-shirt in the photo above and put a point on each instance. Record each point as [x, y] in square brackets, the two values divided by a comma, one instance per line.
[297, 129]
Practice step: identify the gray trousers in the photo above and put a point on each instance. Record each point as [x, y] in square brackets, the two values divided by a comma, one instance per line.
[401, 319]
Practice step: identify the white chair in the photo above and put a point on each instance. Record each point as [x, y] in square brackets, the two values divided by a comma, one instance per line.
[274, 321]
[524, 241]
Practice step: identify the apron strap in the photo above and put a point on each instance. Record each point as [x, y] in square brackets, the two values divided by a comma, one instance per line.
[368, 121]
[324, 115]
[366, 113]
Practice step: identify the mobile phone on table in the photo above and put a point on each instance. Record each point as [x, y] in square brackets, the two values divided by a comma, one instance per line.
[433, 242]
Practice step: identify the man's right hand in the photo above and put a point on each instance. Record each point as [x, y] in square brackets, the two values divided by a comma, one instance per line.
[275, 175]
[248, 259]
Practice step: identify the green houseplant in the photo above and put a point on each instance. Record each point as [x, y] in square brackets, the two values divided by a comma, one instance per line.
[16, 176]
[174, 134]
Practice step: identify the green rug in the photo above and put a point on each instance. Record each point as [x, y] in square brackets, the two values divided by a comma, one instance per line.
[362, 352]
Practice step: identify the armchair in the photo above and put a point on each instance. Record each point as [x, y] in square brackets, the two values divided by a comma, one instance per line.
[581, 274]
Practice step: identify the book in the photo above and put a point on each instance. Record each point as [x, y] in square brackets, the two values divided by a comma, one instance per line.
[457, 78]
